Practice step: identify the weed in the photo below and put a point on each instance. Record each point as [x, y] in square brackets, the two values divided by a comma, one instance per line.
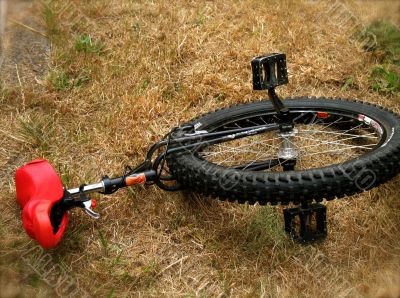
[76, 234]
[80, 80]
[386, 48]
[117, 70]
[151, 268]
[117, 260]
[103, 242]
[220, 96]
[61, 81]
[5, 93]
[200, 20]
[37, 130]
[385, 80]
[265, 227]
[202, 294]
[65, 174]
[35, 280]
[349, 83]
[171, 91]
[126, 277]
[146, 83]
[168, 93]
[111, 293]
[84, 43]
[386, 41]
[50, 20]
[136, 27]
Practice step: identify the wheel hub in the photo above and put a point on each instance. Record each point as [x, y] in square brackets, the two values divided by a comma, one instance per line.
[288, 150]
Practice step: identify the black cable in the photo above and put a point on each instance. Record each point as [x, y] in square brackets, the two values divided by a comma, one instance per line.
[162, 162]
[159, 165]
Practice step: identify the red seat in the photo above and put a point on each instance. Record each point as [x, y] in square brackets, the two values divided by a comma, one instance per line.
[38, 188]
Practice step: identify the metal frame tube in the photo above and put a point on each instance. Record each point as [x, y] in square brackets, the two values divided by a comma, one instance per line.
[90, 188]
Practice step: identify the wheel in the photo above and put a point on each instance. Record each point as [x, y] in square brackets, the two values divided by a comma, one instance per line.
[336, 148]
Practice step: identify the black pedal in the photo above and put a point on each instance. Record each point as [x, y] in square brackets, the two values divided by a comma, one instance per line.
[306, 225]
[269, 71]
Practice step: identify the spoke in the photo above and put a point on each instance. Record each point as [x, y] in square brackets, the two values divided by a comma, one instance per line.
[262, 119]
[246, 152]
[234, 149]
[256, 159]
[316, 120]
[333, 150]
[354, 128]
[259, 157]
[339, 122]
[239, 148]
[256, 124]
[371, 135]
[298, 117]
[336, 121]
[313, 119]
[339, 138]
[321, 142]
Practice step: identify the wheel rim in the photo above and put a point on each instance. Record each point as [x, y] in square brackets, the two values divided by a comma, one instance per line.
[321, 137]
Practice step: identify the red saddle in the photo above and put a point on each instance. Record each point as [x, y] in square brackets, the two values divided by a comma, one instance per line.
[38, 189]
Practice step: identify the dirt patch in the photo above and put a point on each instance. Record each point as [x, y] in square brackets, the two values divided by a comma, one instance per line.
[24, 49]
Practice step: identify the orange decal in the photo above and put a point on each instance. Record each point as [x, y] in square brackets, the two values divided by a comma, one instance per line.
[322, 115]
[137, 179]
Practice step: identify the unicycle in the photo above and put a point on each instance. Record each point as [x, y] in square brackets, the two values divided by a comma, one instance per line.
[297, 151]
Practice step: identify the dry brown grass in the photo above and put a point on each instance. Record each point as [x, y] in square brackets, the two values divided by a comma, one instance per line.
[165, 62]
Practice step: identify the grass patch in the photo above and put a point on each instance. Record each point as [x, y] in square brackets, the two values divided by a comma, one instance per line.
[265, 228]
[61, 81]
[151, 268]
[50, 19]
[348, 84]
[145, 83]
[61, 24]
[35, 280]
[104, 243]
[383, 40]
[75, 235]
[111, 293]
[65, 174]
[385, 80]
[37, 131]
[84, 43]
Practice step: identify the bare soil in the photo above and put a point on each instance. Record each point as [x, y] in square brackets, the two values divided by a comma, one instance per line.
[24, 51]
